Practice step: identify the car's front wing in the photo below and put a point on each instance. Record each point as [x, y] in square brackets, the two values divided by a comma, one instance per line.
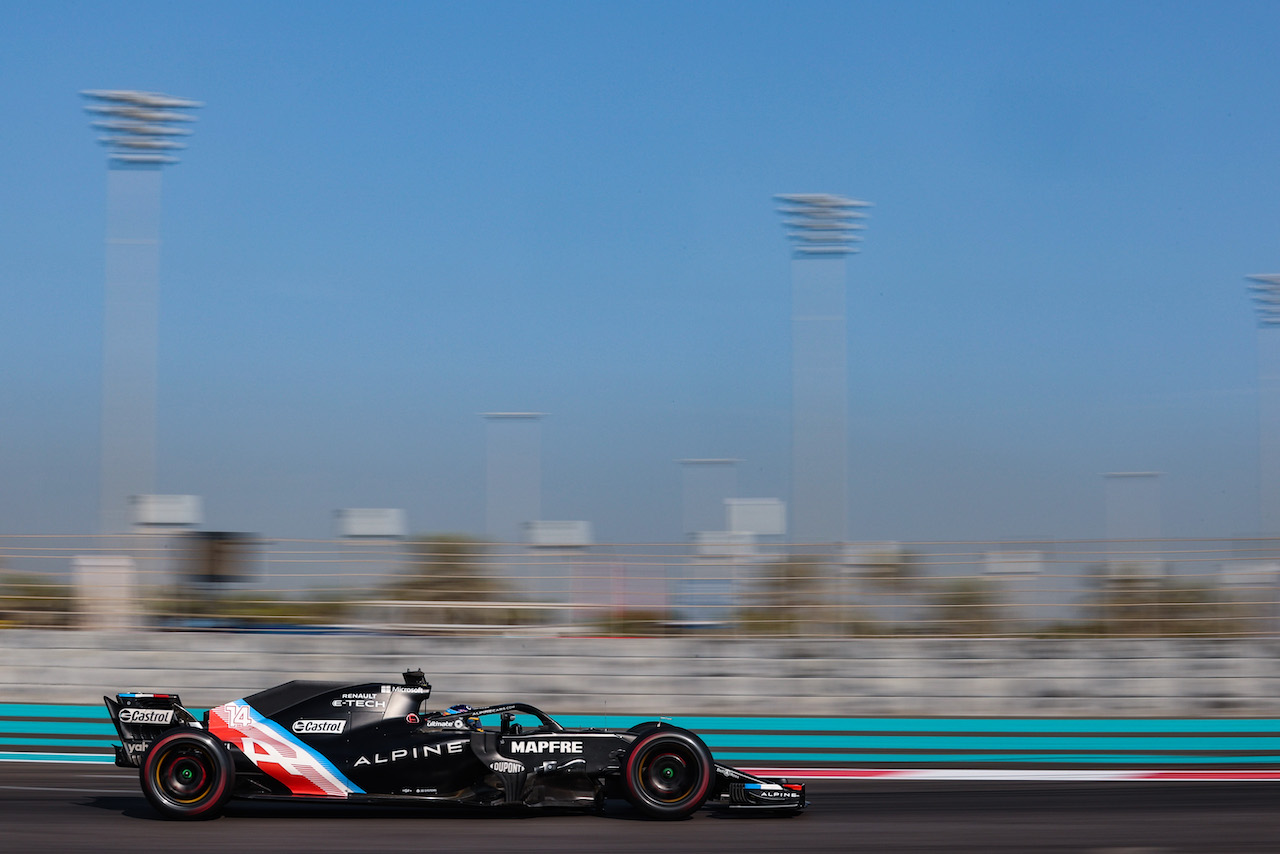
[739, 790]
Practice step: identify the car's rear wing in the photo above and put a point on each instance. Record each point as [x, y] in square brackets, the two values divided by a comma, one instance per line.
[140, 719]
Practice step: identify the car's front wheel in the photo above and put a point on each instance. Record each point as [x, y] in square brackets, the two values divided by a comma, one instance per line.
[668, 773]
[187, 774]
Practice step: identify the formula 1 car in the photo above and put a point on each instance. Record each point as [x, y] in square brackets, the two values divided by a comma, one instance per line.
[379, 743]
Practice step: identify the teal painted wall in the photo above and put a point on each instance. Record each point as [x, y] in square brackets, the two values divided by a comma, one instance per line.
[85, 733]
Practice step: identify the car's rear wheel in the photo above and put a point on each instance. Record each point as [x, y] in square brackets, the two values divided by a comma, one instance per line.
[187, 774]
[646, 725]
[668, 773]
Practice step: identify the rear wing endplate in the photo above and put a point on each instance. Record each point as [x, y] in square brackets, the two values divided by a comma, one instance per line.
[141, 718]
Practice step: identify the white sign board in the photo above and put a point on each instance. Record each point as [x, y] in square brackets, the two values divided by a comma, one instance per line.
[173, 511]
[553, 534]
[764, 517]
[371, 522]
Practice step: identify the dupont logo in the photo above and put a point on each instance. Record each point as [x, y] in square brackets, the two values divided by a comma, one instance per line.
[146, 716]
[505, 767]
[318, 727]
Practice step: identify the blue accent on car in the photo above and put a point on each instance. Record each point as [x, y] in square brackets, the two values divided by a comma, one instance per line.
[283, 734]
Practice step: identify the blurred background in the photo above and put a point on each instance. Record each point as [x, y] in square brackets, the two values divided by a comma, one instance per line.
[750, 319]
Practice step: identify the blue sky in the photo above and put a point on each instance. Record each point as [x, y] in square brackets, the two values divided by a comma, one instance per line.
[392, 217]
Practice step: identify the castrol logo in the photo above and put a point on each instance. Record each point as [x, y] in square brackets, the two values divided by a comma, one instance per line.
[318, 727]
[146, 716]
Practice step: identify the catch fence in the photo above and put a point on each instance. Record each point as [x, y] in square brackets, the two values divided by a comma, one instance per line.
[457, 585]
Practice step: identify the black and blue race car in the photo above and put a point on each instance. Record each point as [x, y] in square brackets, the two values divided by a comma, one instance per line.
[383, 743]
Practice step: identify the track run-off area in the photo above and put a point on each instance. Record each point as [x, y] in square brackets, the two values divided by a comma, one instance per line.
[77, 806]
[1099, 786]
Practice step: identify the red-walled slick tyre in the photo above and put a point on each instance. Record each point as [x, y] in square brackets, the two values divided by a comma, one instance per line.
[668, 773]
[187, 774]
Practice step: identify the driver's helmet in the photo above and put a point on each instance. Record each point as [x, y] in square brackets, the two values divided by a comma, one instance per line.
[463, 709]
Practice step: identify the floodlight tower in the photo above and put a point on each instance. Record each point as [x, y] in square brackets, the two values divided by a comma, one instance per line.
[513, 481]
[824, 231]
[708, 483]
[1266, 296]
[140, 138]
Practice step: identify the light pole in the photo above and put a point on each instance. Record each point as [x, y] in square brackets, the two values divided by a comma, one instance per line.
[824, 230]
[707, 483]
[513, 479]
[1265, 290]
[140, 129]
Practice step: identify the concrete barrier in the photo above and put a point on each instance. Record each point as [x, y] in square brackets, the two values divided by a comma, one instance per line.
[675, 676]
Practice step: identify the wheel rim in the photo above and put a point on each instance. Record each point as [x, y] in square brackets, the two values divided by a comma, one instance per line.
[184, 775]
[670, 776]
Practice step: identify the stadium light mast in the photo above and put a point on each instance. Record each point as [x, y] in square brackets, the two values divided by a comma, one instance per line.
[707, 484]
[1265, 290]
[140, 131]
[513, 478]
[824, 230]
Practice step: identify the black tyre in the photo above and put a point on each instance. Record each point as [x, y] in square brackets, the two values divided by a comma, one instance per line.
[668, 773]
[187, 774]
[646, 725]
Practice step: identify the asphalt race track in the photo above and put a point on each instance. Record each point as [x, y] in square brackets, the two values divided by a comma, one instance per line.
[81, 807]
